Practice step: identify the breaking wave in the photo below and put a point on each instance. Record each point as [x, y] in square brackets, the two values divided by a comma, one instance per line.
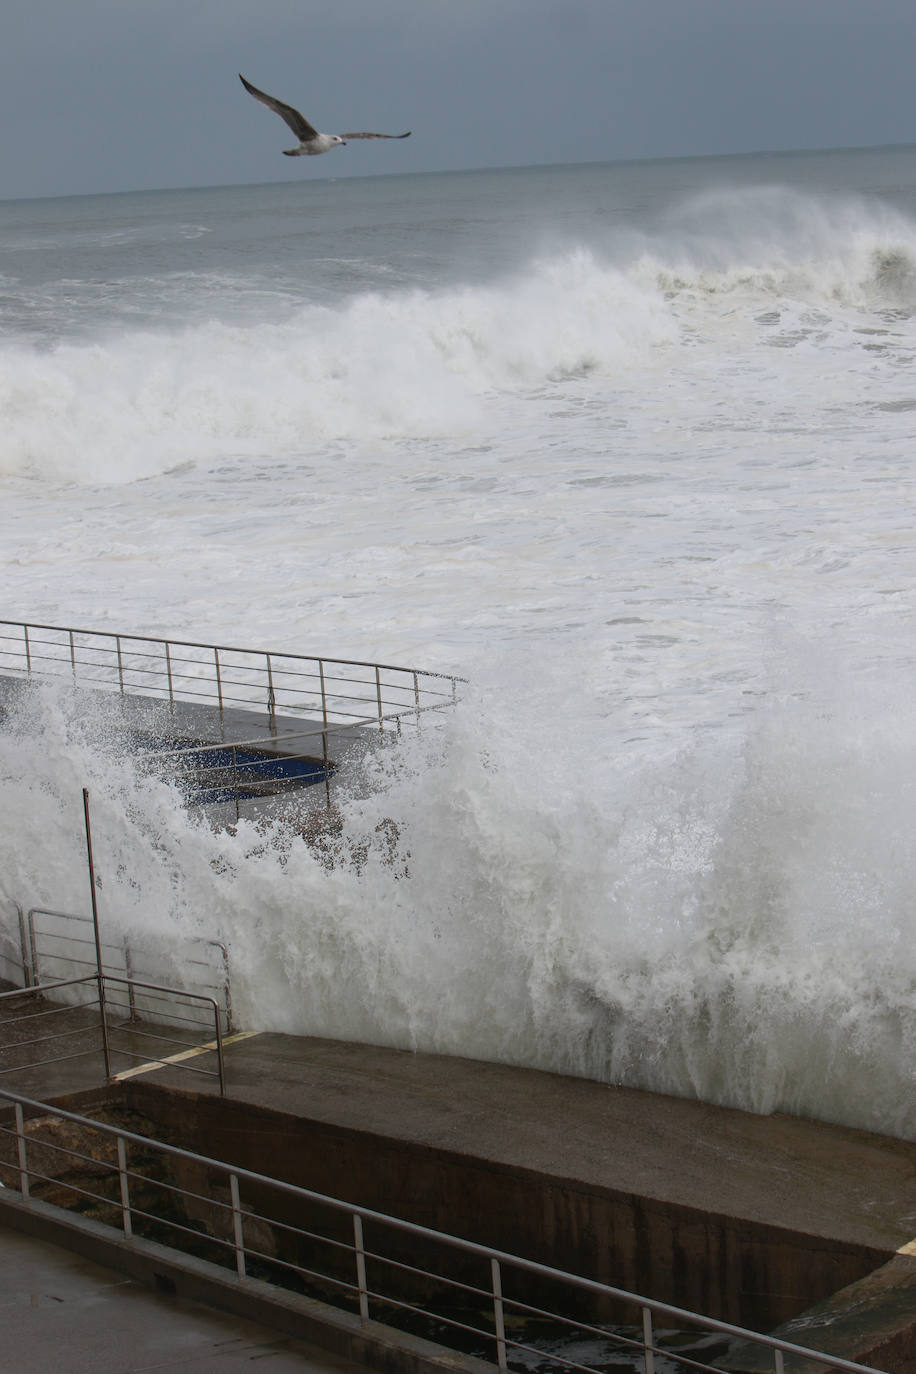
[418, 364]
[733, 924]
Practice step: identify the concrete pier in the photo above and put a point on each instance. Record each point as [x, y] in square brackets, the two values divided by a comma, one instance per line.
[749, 1218]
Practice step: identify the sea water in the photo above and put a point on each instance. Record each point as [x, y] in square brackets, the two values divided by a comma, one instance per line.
[630, 447]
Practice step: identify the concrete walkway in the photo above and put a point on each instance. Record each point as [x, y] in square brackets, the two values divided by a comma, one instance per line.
[61, 1312]
[828, 1181]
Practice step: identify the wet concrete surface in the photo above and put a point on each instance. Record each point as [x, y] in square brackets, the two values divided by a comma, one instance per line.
[827, 1181]
[60, 1311]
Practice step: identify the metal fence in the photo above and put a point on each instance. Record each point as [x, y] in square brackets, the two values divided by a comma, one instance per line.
[335, 691]
[58, 945]
[100, 1015]
[370, 1259]
[15, 966]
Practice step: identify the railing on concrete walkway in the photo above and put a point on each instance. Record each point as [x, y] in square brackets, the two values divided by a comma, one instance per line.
[15, 965]
[336, 691]
[112, 1026]
[59, 944]
[249, 1236]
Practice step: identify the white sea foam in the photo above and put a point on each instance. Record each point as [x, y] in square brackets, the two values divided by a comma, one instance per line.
[733, 923]
[424, 364]
[653, 494]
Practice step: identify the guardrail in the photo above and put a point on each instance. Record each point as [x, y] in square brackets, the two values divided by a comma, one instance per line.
[15, 965]
[112, 995]
[56, 938]
[337, 691]
[246, 1236]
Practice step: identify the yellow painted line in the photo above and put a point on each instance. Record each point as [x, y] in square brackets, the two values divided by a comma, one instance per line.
[908, 1249]
[185, 1054]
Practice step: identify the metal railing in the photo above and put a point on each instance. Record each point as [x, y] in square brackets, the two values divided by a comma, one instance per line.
[15, 965]
[247, 1237]
[173, 671]
[111, 1026]
[58, 944]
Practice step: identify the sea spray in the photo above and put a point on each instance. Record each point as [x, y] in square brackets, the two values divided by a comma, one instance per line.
[636, 462]
[407, 364]
[732, 922]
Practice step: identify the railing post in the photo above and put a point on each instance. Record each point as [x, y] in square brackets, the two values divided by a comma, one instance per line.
[219, 680]
[129, 971]
[168, 670]
[28, 650]
[499, 1320]
[271, 698]
[125, 1188]
[416, 695]
[360, 1251]
[20, 1145]
[218, 1039]
[120, 664]
[27, 976]
[238, 1229]
[648, 1340]
[36, 977]
[72, 654]
[324, 699]
[103, 1014]
[327, 766]
[378, 697]
[235, 779]
[778, 1361]
[227, 987]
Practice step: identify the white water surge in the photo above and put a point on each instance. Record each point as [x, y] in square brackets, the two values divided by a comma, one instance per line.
[649, 485]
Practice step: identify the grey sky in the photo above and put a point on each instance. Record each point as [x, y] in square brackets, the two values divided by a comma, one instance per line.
[107, 95]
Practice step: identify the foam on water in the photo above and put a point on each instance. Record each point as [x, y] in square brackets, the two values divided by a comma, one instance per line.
[733, 922]
[651, 491]
[421, 364]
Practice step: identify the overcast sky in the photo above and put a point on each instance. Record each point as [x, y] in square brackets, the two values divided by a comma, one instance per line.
[110, 95]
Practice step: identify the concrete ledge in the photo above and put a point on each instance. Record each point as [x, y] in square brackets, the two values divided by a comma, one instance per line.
[341, 1333]
[872, 1321]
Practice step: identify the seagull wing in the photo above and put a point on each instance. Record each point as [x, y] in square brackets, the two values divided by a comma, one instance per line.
[297, 122]
[407, 135]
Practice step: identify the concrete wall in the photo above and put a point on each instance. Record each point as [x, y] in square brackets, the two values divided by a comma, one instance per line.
[751, 1274]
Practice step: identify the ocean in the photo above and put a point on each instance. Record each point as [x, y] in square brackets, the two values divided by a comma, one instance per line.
[630, 447]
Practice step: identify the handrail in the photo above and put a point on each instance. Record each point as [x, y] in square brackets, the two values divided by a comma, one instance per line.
[40, 990]
[26, 965]
[233, 649]
[360, 1214]
[271, 681]
[33, 955]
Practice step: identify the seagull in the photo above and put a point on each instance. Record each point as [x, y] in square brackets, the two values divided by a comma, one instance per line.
[311, 142]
